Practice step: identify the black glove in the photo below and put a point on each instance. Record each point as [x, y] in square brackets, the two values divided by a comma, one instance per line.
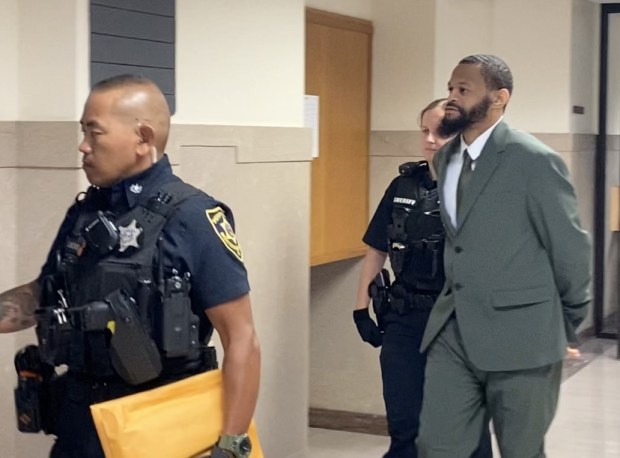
[367, 328]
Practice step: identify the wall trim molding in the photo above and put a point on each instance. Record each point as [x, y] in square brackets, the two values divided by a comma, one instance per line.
[54, 144]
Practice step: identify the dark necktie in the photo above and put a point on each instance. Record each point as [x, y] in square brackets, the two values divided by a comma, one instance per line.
[464, 178]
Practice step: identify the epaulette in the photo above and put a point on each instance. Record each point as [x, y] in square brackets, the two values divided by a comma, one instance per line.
[412, 168]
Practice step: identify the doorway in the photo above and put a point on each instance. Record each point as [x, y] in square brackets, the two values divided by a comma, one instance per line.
[607, 180]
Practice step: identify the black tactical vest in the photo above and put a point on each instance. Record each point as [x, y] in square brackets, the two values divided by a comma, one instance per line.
[114, 261]
[416, 234]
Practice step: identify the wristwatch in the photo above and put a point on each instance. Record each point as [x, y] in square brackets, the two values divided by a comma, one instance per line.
[239, 445]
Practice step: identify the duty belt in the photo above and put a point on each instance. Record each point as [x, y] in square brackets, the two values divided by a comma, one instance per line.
[403, 301]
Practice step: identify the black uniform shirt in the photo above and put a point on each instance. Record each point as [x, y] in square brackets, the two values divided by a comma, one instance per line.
[197, 239]
[376, 235]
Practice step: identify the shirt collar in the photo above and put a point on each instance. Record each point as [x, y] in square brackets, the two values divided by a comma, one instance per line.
[129, 191]
[475, 149]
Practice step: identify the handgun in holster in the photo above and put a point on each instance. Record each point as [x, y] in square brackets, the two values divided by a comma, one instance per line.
[133, 353]
[32, 394]
[378, 290]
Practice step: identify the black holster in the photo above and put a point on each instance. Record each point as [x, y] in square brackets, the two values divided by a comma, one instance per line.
[378, 291]
[64, 333]
[33, 394]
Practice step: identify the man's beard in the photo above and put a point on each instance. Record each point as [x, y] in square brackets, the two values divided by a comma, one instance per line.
[451, 126]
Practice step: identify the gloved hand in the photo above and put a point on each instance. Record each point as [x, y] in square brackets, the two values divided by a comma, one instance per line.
[367, 328]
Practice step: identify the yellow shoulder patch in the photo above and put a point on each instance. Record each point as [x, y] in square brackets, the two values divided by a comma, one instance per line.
[224, 230]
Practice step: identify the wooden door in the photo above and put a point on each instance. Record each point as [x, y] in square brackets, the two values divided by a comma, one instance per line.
[338, 67]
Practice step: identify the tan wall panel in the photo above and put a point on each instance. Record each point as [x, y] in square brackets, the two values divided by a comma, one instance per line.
[8, 144]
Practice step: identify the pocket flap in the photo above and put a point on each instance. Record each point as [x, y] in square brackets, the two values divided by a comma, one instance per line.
[521, 297]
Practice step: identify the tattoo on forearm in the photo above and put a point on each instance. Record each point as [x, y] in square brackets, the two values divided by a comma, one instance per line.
[17, 307]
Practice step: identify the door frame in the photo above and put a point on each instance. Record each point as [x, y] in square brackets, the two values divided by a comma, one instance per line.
[600, 185]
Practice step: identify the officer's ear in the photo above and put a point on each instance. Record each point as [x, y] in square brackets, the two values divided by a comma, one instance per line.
[146, 139]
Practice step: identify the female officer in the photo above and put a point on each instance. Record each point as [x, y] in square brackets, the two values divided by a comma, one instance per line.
[407, 227]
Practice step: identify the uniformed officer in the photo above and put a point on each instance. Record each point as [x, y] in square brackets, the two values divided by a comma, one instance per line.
[141, 247]
[407, 227]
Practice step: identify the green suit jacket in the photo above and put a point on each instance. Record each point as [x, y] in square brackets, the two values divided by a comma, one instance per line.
[518, 266]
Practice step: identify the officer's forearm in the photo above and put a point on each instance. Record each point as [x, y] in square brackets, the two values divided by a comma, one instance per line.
[371, 265]
[234, 323]
[17, 307]
[241, 370]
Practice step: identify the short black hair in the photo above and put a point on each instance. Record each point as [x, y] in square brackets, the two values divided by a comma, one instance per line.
[494, 70]
[124, 80]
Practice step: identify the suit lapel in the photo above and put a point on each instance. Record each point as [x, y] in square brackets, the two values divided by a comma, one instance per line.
[485, 166]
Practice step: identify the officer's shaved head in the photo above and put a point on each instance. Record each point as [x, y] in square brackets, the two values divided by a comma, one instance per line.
[125, 122]
[141, 101]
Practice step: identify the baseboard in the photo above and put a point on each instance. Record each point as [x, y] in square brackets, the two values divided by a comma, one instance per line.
[348, 421]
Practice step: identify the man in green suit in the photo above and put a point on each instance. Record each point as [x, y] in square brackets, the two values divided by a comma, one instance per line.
[518, 275]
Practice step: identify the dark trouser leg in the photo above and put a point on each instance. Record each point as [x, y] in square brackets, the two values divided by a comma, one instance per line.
[402, 370]
[75, 430]
[453, 410]
[523, 404]
[485, 449]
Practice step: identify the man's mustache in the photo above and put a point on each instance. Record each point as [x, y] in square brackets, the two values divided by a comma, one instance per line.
[452, 105]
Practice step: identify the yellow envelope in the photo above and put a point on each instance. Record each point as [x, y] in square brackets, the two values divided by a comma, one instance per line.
[180, 419]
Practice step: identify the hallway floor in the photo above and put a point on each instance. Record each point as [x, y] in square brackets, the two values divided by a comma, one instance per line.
[587, 424]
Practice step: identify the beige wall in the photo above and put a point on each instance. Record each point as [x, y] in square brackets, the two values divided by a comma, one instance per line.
[8, 56]
[534, 39]
[457, 37]
[402, 61]
[584, 66]
[53, 48]
[240, 63]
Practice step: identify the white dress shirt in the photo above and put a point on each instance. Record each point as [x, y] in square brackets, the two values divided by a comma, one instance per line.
[455, 164]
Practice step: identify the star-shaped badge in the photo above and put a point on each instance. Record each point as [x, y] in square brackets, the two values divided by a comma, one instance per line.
[129, 236]
[135, 188]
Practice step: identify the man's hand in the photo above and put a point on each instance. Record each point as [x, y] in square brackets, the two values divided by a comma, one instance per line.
[17, 307]
[367, 328]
